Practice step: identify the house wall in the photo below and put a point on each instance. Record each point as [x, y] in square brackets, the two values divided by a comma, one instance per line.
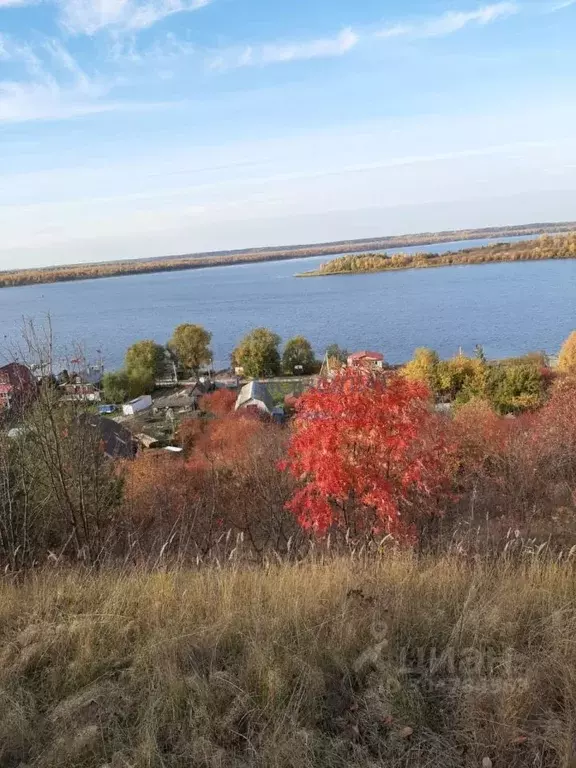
[255, 404]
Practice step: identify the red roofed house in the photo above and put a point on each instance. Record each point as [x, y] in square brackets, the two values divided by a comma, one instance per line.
[17, 384]
[366, 359]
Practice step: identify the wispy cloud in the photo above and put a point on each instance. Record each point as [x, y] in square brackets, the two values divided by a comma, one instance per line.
[451, 22]
[348, 39]
[272, 53]
[13, 3]
[51, 85]
[559, 6]
[90, 16]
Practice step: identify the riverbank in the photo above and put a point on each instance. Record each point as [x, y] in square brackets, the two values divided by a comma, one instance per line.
[546, 248]
[73, 272]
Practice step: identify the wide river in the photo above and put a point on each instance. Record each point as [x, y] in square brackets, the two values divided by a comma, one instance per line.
[509, 308]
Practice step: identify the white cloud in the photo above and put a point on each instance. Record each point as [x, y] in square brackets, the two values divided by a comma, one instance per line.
[554, 7]
[90, 16]
[272, 53]
[52, 85]
[348, 39]
[14, 3]
[451, 22]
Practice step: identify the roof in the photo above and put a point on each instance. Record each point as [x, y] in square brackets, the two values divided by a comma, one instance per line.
[118, 441]
[16, 374]
[139, 399]
[255, 390]
[365, 354]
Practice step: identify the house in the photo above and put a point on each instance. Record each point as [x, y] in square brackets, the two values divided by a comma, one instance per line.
[137, 405]
[146, 441]
[78, 392]
[17, 385]
[117, 441]
[365, 359]
[255, 396]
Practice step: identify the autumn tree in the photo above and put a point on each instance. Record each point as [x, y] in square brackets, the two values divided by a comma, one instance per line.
[258, 353]
[219, 403]
[298, 354]
[462, 378]
[567, 358]
[143, 364]
[191, 345]
[369, 454]
[423, 368]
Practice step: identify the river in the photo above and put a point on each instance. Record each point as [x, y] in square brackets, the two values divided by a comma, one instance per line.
[509, 308]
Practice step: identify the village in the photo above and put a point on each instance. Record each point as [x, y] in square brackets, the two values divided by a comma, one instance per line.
[150, 422]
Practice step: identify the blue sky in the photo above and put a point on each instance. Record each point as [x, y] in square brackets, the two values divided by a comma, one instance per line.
[151, 127]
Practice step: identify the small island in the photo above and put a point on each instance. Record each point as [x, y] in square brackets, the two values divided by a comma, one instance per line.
[544, 248]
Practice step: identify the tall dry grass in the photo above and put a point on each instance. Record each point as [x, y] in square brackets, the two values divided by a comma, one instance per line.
[399, 662]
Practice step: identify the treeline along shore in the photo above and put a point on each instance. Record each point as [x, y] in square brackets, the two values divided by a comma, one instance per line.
[547, 247]
[228, 258]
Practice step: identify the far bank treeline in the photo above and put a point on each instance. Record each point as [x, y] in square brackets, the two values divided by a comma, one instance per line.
[72, 272]
[547, 247]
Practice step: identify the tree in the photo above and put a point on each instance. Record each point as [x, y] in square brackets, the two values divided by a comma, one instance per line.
[219, 403]
[516, 388]
[462, 378]
[144, 363]
[258, 353]
[567, 358]
[116, 387]
[424, 368]
[191, 345]
[370, 456]
[298, 353]
[334, 352]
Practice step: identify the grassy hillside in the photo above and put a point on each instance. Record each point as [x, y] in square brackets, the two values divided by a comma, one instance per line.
[395, 662]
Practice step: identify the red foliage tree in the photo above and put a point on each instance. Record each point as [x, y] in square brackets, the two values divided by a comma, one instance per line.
[370, 454]
[219, 403]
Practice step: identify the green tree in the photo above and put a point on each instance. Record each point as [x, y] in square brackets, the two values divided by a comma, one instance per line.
[567, 358]
[515, 388]
[334, 352]
[424, 367]
[191, 345]
[258, 353]
[144, 363]
[116, 387]
[298, 353]
[479, 353]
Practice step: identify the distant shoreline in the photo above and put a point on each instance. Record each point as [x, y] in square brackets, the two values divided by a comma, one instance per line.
[74, 272]
[556, 248]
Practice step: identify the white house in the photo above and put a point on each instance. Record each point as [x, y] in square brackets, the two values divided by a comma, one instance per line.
[137, 405]
[255, 395]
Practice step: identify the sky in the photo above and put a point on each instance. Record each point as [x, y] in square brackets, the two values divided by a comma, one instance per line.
[139, 128]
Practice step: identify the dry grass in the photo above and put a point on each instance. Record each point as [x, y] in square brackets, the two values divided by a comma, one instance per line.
[398, 662]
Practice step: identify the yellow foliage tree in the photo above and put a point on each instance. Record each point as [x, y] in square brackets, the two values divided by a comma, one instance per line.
[567, 359]
[423, 367]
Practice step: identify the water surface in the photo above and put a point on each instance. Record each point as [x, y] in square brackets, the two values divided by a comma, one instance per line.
[509, 308]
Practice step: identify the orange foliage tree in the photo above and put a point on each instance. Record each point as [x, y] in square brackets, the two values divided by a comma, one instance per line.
[518, 473]
[370, 455]
[219, 403]
[228, 485]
